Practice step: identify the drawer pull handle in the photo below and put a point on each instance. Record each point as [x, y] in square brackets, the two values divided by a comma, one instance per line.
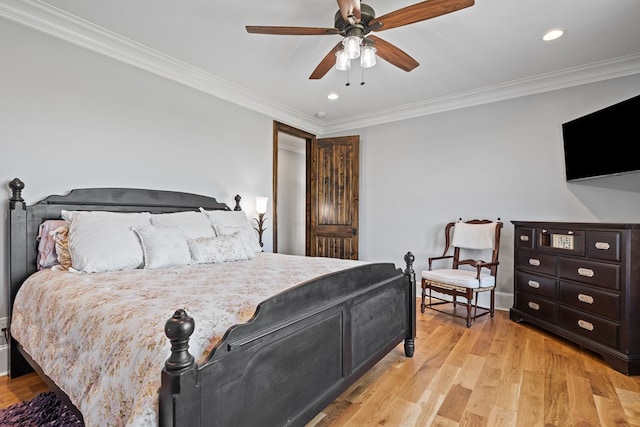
[585, 298]
[586, 272]
[524, 238]
[585, 325]
[534, 306]
[602, 245]
[534, 284]
[534, 262]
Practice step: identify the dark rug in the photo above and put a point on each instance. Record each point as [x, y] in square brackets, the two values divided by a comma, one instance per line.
[44, 410]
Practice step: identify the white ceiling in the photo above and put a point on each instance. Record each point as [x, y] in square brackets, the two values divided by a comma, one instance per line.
[489, 51]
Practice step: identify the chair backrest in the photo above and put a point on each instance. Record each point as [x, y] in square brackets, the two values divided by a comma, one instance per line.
[475, 234]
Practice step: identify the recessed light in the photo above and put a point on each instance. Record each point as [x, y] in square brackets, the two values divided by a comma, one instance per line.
[333, 96]
[552, 35]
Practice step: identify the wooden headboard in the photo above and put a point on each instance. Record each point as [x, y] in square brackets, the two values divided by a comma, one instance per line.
[24, 221]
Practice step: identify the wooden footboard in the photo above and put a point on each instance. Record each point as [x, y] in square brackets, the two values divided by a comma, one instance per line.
[302, 349]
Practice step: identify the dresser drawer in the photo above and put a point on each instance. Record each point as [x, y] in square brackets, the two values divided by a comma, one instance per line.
[590, 300]
[525, 237]
[603, 245]
[593, 273]
[594, 328]
[539, 307]
[532, 261]
[536, 285]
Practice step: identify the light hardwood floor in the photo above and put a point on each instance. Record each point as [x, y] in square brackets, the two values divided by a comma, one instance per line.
[496, 373]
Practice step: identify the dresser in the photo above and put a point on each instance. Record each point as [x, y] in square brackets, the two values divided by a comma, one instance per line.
[581, 281]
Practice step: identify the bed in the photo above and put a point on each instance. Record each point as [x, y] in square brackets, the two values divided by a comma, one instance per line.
[298, 349]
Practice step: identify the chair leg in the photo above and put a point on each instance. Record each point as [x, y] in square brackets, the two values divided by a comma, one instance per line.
[493, 302]
[475, 306]
[468, 304]
[469, 298]
[422, 304]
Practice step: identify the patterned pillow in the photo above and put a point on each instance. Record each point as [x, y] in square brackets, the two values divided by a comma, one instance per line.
[229, 222]
[206, 250]
[47, 256]
[61, 239]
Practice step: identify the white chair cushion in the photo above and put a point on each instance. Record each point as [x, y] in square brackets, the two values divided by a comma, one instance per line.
[457, 277]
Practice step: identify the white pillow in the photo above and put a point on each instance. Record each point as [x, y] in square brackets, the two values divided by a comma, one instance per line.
[163, 246]
[229, 222]
[193, 224]
[474, 236]
[104, 241]
[207, 250]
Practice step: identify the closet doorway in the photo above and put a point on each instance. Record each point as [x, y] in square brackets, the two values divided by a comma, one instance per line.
[290, 148]
[315, 193]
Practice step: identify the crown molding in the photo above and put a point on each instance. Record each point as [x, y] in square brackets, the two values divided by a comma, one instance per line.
[55, 22]
[50, 20]
[590, 73]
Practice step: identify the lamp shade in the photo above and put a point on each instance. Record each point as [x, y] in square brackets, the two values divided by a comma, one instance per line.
[342, 61]
[368, 57]
[352, 46]
[261, 204]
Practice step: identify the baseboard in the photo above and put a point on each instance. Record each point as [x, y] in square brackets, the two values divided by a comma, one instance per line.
[504, 300]
[4, 360]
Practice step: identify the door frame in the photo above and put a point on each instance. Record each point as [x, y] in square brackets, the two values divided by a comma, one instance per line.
[309, 138]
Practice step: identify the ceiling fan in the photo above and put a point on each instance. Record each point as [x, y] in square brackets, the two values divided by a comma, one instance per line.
[355, 22]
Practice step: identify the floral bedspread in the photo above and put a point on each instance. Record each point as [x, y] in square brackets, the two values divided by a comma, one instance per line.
[100, 336]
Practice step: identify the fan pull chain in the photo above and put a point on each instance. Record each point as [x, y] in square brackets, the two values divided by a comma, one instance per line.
[347, 84]
[362, 77]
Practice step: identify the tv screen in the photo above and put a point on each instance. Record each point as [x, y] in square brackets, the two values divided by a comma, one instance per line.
[602, 143]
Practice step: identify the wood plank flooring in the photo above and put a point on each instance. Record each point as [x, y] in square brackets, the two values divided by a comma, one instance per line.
[496, 373]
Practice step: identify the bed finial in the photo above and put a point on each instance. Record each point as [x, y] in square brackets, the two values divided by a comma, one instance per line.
[16, 190]
[237, 199]
[409, 258]
[178, 329]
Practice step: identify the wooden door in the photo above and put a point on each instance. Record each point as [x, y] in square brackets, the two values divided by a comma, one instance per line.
[333, 197]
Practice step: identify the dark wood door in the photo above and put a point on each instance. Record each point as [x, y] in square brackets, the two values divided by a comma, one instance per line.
[333, 197]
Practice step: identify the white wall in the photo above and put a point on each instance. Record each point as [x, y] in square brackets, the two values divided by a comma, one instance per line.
[292, 201]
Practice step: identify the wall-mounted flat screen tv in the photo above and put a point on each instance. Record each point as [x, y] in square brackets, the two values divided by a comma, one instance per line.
[603, 143]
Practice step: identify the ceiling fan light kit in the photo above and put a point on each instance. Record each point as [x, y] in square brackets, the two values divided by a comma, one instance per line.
[357, 42]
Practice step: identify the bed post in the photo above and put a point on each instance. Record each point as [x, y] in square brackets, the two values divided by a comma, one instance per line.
[17, 232]
[409, 345]
[180, 390]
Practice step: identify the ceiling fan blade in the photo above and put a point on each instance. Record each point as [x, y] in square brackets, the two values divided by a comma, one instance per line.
[418, 12]
[392, 54]
[327, 62]
[291, 31]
